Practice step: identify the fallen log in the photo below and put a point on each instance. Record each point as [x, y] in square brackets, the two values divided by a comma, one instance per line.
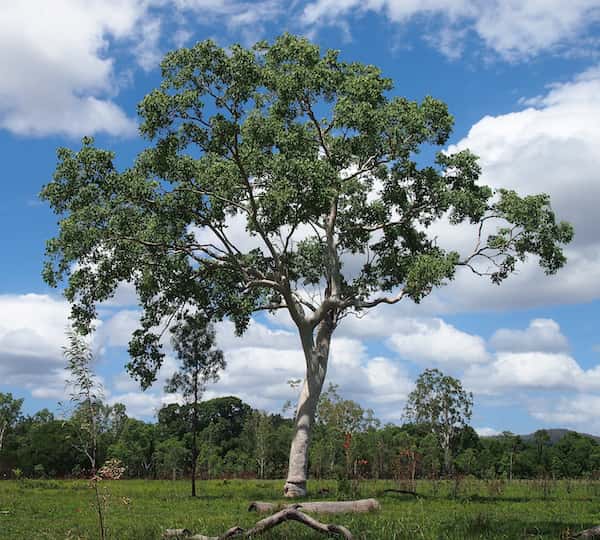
[319, 507]
[287, 514]
[592, 533]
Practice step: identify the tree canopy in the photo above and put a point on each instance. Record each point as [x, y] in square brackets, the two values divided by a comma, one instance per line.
[440, 402]
[280, 178]
[317, 157]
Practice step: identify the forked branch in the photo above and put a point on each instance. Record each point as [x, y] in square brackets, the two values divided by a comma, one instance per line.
[288, 514]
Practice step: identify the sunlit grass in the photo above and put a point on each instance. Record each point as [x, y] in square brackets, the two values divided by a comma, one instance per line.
[138, 509]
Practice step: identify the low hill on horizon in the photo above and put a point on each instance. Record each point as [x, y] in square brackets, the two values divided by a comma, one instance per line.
[556, 434]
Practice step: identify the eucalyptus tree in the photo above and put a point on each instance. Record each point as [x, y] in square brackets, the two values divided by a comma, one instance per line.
[440, 402]
[278, 177]
[201, 362]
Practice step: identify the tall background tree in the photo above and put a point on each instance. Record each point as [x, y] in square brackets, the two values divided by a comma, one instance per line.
[236, 440]
[201, 361]
[316, 158]
[440, 402]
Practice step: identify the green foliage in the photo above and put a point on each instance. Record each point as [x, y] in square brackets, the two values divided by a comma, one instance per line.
[194, 344]
[442, 405]
[338, 422]
[171, 456]
[201, 362]
[289, 139]
[466, 461]
[228, 413]
[48, 444]
[39, 471]
[86, 395]
[135, 447]
[234, 440]
[342, 415]
[10, 411]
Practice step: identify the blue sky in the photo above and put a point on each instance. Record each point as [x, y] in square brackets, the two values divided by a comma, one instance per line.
[523, 82]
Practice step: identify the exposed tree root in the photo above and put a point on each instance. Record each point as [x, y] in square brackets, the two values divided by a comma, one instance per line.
[287, 514]
[320, 507]
[592, 533]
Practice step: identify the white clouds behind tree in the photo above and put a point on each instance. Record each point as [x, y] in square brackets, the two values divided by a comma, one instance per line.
[513, 30]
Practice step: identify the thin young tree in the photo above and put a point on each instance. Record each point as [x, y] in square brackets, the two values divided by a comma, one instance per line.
[85, 394]
[201, 361]
[314, 159]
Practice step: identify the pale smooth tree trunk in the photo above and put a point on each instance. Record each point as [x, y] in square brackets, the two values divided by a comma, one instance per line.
[316, 353]
[447, 454]
[2, 432]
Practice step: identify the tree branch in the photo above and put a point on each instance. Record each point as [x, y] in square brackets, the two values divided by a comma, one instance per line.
[375, 302]
[288, 514]
[308, 109]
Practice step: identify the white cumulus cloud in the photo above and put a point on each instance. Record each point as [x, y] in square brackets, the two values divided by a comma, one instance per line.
[535, 371]
[56, 74]
[541, 335]
[433, 341]
[487, 431]
[548, 147]
[514, 29]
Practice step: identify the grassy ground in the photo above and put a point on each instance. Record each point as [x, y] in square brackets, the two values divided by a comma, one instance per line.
[137, 510]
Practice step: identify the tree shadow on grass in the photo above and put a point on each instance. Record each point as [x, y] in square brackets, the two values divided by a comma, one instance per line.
[483, 525]
[495, 499]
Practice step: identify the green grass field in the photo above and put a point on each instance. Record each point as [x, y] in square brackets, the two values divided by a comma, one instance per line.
[143, 509]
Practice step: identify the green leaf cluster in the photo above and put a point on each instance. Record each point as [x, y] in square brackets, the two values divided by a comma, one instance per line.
[320, 161]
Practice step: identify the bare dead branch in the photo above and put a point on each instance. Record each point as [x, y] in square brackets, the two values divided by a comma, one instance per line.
[287, 514]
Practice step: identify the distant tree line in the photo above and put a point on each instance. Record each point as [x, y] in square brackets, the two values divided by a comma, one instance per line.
[235, 440]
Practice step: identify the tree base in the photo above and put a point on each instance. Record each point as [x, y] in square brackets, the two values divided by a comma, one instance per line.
[294, 490]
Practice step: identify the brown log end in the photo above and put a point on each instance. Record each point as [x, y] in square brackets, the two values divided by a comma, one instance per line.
[262, 507]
